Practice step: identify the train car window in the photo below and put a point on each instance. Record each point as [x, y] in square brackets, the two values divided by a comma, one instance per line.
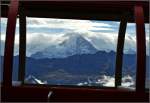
[16, 48]
[147, 84]
[129, 57]
[2, 43]
[71, 52]
[74, 52]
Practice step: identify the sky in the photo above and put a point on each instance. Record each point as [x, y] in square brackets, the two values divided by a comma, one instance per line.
[42, 32]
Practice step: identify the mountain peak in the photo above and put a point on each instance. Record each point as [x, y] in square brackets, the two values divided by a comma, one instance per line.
[74, 44]
[77, 44]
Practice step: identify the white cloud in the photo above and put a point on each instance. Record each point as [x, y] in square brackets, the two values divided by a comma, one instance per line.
[3, 38]
[147, 28]
[37, 42]
[131, 24]
[109, 81]
[77, 25]
[3, 21]
[101, 40]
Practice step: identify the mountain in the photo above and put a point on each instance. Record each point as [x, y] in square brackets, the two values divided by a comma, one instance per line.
[86, 64]
[33, 80]
[77, 68]
[75, 44]
[109, 81]
[100, 62]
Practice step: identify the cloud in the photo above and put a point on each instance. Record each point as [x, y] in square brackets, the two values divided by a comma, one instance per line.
[102, 39]
[2, 47]
[2, 44]
[3, 21]
[109, 81]
[76, 25]
[38, 42]
[3, 38]
[128, 81]
[147, 29]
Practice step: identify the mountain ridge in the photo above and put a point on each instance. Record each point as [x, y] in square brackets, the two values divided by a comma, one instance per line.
[100, 63]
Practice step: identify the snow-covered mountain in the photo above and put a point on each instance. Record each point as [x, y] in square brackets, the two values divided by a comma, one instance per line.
[74, 44]
[109, 81]
[33, 80]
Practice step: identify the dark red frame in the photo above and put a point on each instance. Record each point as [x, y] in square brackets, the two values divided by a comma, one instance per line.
[139, 7]
[9, 44]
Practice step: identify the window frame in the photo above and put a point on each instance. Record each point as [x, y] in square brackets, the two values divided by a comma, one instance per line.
[13, 11]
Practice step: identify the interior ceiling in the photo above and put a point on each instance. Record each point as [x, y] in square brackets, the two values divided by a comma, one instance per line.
[92, 10]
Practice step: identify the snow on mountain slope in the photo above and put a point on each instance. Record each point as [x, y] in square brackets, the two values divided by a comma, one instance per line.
[33, 80]
[74, 44]
[109, 81]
